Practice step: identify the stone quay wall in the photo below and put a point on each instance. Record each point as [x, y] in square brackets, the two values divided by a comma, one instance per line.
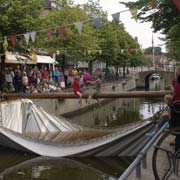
[59, 106]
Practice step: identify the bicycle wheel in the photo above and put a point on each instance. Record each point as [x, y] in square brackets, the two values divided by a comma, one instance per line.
[164, 161]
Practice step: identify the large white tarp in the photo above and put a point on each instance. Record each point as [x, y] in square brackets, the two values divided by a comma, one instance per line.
[24, 116]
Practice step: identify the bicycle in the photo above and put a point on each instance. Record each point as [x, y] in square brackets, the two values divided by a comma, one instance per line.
[165, 160]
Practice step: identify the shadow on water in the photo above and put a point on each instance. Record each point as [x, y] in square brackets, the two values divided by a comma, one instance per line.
[17, 166]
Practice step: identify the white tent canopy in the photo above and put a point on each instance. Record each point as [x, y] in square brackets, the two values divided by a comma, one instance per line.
[45, 59]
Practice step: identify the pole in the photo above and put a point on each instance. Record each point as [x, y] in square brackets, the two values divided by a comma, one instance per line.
[107, 95]
[153, 58]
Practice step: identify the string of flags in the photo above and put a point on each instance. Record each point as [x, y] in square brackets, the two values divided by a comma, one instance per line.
[130, 50]
[61, 29]
[99, 51]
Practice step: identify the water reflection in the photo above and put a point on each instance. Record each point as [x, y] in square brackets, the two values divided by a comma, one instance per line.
[114, 113]
[156, 84]
[23, 167]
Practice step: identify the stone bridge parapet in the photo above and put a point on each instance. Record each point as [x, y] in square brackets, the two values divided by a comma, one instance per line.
[142, 78]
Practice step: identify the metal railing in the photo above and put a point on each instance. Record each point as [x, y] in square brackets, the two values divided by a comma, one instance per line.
[141, 158]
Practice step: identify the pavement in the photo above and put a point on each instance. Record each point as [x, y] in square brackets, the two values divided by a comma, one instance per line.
[161, 163]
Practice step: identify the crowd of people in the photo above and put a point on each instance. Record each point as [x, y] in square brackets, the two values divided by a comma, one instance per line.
[36, 80]
[44, 80]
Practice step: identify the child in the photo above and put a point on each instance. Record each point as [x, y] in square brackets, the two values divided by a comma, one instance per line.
[76, 89]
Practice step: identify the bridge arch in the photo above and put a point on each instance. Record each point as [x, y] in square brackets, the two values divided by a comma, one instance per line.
[142, 79]
[147, 78]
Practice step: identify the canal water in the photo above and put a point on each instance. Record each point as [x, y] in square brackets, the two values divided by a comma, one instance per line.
[18, 165]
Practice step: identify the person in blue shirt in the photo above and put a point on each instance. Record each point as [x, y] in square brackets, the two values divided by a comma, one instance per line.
[56, 75]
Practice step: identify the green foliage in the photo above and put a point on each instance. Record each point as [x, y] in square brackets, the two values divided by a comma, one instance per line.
[157, 51]
[165, 18]
[19, 17]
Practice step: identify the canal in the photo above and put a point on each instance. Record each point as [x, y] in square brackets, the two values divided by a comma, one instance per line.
[111, 113]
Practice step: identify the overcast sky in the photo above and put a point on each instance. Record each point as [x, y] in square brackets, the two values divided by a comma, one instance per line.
[142, 30]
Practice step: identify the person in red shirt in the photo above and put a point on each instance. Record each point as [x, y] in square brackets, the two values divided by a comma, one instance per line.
[76, 89]
[44, 74]
[176, 85]
[175, 107]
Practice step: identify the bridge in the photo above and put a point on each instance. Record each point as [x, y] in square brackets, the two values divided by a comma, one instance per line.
[142, 78]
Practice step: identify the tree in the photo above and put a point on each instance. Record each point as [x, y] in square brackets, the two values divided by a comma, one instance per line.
[74, 45]
[17, 17]
[149, 50]
[165, 18]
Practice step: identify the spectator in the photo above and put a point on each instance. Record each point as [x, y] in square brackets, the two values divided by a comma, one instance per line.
[56, 75]
[24, 81]
[36, 76]
[62, 83]
[66, 74]
[74, 72]
[9, 80]
[175, 108]
[44, 74]
[18, 80]
[86, 77]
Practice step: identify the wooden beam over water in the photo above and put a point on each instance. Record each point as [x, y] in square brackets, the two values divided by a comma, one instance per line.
[110, 95]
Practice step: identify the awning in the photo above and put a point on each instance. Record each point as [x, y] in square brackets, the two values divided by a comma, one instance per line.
[45, 59]
[18, 59]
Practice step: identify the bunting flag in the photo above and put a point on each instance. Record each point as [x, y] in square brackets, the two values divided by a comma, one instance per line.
[116, 17]
[177, 3]
[33, 55]
[97, 22]
[26, 36]
[13, 40]
[61, 31]
[33, 36]
[49, 33]
[78, 26]
[129, 50]
[5, 44]
[89, 52]
[174, 50]
[134, 11]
